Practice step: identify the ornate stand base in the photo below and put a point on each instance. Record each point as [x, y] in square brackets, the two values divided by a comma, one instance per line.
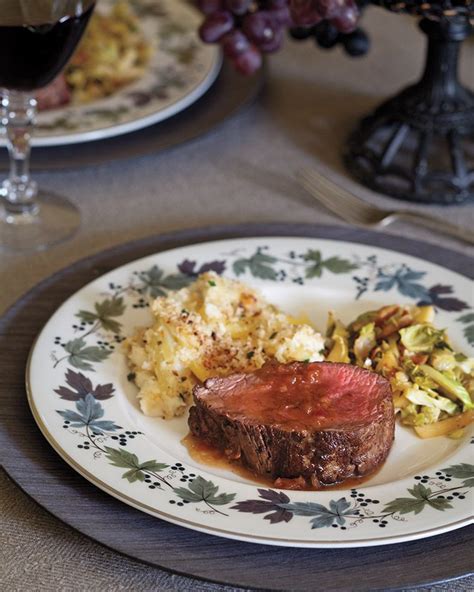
[417, 146]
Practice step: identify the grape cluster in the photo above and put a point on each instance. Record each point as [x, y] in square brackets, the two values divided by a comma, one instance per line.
[248, 28]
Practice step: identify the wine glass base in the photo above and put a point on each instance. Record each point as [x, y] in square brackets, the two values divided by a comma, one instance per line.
[52, 220]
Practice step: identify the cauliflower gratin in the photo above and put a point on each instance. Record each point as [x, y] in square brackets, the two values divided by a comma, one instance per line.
[214, 327]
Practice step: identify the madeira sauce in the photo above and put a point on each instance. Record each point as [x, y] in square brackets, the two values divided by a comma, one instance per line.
[205, 454]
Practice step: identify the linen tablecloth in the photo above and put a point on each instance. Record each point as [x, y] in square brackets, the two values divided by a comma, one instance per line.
[243, 171]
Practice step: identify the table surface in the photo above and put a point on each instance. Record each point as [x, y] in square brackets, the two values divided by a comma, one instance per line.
[241, 172]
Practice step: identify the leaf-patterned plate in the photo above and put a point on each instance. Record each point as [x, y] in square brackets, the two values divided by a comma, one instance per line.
[181, 70]
[86, 407]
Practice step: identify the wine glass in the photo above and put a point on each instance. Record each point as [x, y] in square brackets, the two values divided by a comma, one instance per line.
[37, 38]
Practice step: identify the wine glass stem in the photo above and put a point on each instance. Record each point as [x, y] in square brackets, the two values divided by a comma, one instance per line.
[19, 191]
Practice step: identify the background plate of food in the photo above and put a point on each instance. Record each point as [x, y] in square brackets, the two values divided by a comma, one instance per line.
[111, 377]
[139, 63]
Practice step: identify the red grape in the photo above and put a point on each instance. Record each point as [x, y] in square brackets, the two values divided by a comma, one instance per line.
[305, 13]
[330, 8]
[282, 15]
[238, 7]
[260, 27]
[216, 25]
[234, 43]
[346, 20]
[249, 62]
[273, 44]
[210, 6]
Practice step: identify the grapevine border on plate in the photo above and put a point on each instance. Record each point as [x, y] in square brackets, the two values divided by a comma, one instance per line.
[95, 433]
[368, 275]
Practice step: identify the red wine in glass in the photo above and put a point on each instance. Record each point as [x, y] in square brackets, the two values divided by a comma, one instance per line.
[37, 38]
[31, 55]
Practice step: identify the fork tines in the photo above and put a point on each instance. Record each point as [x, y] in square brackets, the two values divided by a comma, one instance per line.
[335, 198]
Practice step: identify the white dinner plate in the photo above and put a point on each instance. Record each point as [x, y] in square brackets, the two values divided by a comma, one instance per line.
[87, 409]
[180, 71]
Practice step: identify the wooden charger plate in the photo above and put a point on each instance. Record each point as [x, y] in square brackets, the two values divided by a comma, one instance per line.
[32, 464]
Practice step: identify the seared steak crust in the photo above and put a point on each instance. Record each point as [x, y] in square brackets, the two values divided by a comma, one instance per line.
[322, 452]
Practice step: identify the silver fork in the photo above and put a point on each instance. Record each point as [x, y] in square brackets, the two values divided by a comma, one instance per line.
[354, 210]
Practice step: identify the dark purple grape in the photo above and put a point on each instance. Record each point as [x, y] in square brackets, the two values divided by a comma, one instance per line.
[301, 33]
[271, 4]
[216, 25]
[326, 35]
[238, 7]
[234, 44]
[260, 27]
[210, 6]
[356, 43]
[346, 20]
[249, 62]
